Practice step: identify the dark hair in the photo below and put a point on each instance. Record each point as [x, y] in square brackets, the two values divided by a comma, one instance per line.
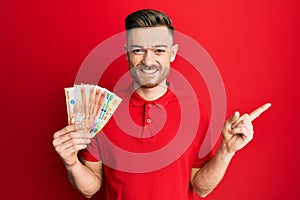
[148, 18]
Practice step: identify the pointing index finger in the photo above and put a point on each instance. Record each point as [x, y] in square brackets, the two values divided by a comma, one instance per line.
[256, 113]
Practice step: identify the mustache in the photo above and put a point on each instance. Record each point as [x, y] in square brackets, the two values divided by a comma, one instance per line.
[148, 67]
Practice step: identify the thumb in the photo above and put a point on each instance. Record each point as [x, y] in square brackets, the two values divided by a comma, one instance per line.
[234, 117]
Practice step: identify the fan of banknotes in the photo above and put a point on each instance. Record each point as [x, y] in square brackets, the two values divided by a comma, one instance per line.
[90, 107]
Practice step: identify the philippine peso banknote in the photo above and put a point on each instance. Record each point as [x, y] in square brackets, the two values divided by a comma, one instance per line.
[90, 107]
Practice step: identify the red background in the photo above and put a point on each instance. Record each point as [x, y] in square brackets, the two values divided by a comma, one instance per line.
[255, 45]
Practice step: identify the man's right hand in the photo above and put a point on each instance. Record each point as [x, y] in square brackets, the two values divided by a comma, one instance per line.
[68, 141]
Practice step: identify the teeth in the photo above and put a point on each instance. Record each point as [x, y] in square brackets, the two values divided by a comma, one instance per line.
[149, 71]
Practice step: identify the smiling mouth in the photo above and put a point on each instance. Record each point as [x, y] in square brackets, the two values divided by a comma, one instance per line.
[149, 71]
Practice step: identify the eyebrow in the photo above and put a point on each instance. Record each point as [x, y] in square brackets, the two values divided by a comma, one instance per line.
[155, 46]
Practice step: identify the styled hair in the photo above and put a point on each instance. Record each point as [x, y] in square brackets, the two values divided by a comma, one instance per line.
[148, 18]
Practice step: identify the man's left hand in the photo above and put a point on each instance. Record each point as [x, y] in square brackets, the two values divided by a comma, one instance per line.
[238, 130]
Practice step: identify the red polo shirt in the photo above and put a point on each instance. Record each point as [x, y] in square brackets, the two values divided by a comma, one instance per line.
[149, 147]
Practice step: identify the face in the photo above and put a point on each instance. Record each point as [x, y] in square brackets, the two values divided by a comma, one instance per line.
[149, 53]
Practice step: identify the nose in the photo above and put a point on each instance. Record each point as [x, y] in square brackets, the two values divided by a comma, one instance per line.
[149, 58]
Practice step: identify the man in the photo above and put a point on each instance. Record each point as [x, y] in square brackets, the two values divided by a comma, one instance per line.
[150, 50]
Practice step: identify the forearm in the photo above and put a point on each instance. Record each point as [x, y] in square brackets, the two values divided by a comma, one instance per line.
[210, 175]
[84, 179]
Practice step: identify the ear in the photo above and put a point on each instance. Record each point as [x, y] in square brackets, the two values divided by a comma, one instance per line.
[174, 50]
[126, 51]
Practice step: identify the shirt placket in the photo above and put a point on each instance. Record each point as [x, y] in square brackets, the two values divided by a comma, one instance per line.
[147, 120]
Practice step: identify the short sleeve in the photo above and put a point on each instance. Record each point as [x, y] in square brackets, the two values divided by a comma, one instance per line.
[203, 132]
[199, 162]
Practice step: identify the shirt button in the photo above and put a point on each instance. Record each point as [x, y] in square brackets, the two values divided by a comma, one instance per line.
[150, 105]
[148, 120]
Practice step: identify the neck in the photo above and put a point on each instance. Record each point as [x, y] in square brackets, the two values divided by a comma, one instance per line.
[151, 94]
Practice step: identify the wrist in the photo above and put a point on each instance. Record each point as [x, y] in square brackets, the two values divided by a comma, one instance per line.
[224, 152]
[73, 166]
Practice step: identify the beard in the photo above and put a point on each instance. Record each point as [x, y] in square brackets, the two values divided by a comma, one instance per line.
[149, 76]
